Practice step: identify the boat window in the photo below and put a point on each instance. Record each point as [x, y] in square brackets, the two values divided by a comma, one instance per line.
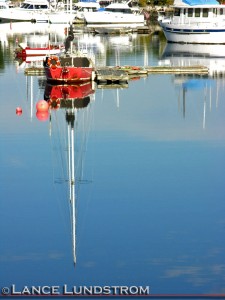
[197, 12]
[221, 11]
[41, 6]
[190, 12]
[177, 12]
[121, 10]
[205, 12]
[30, 7]
[25, 5]
[214, 11]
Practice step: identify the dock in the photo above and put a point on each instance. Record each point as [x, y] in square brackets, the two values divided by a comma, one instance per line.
[110, 75]
[121, 75]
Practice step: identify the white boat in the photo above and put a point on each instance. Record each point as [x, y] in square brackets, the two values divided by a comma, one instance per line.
[195, 21]
[116, 13]
[22, 50]
[36, 11]
[85, 6]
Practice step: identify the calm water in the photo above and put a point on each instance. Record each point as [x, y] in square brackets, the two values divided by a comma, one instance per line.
[149, 165]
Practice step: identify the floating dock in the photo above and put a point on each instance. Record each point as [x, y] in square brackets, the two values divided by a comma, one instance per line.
[178, 70]
[112, 75]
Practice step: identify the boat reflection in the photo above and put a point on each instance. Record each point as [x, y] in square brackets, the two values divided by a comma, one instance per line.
[210, 56]
[205, 88]
[68, 96]
[70, 100]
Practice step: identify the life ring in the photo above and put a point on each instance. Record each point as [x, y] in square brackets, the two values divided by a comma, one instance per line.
[54, 103]
[53, 62]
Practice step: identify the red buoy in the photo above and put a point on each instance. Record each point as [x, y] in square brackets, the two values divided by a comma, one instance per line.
[42, 105]
[19, 111]
[42, 115]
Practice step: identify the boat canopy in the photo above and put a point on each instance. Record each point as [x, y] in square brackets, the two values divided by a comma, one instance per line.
[201, 2]
[195, 2]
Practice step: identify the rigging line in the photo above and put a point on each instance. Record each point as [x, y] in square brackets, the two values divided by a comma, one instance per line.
[59, 135]
[58, 191]
[86, 134]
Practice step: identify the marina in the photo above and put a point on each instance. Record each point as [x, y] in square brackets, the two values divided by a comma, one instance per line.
[115, 179]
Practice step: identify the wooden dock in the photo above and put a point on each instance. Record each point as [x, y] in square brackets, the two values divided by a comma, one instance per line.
[178, 70]
[121, 75]
[111, 75]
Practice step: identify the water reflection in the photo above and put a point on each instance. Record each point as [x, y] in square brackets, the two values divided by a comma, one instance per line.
[211, 56]
[70, 98]
[156, 205]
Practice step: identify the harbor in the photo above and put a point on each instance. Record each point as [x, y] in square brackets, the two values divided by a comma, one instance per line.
[112, 163]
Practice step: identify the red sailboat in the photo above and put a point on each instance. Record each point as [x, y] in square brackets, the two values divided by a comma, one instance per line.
[69, 67]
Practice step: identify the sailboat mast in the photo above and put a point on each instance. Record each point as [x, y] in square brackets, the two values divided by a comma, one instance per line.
[73, 195]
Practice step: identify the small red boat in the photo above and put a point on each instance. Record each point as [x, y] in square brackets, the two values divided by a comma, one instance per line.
[69, 67]
[68, 96]
[23, 50]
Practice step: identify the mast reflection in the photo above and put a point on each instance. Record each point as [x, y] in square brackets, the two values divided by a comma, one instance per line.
[71, 98]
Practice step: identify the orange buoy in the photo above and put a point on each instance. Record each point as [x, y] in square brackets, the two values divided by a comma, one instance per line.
[42, 115]
[42, 105]
[19, 111]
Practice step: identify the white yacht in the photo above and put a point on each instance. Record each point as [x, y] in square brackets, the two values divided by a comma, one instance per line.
[36, 11]
[195, 21]
[115, 13]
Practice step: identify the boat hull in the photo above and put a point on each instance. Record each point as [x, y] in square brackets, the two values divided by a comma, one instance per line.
[69, 74]
[19, 15]
[193, 35]
[113, 18]
[28, 52]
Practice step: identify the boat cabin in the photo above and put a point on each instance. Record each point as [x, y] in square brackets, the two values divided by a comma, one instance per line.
[191, 11]
[118, 8]
[34, 5]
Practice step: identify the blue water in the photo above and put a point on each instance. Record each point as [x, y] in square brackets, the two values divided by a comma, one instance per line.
[149, 188]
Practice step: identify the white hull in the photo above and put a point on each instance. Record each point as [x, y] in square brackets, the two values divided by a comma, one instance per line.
[113, 18]
[37, 52]
[193, 35]
[19, 15]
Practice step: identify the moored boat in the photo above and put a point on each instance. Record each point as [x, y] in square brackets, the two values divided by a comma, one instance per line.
[23, 50]
[116, 13]
[195, 21]
[70, 66]
[36, 11]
